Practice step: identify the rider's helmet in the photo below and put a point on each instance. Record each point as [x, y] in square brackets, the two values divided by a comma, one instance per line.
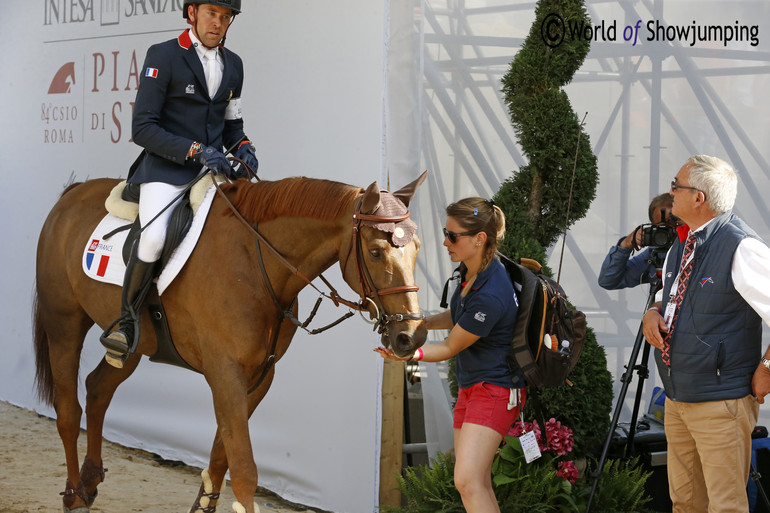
[234, 5]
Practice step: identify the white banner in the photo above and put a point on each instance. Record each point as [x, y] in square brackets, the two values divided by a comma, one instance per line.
[312, 105]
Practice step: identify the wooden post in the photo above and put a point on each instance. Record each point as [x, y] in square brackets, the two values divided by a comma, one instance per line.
[392, 435]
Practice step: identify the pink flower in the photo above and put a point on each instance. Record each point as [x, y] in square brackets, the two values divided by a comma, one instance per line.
[567, 471]
[559, 438]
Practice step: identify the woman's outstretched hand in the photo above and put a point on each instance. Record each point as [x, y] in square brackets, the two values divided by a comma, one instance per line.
[388, 354]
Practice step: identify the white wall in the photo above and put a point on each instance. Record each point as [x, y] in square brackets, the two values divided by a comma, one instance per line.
[312, 106]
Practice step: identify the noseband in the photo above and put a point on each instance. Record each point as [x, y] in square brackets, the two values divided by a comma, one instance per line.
[369, 291]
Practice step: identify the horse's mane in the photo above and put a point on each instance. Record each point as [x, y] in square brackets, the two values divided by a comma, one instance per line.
[292, 197]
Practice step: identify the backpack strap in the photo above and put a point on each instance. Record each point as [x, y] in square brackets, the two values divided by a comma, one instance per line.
[533, 397]
[457, 274]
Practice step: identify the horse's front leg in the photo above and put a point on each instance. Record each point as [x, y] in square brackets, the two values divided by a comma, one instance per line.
[214, 476]
[100, 388]
[233, 409]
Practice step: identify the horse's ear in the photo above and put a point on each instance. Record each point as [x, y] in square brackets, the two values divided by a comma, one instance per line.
[406, 193]
[371, 199]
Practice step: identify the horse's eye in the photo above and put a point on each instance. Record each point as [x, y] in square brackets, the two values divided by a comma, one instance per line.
[375, 253]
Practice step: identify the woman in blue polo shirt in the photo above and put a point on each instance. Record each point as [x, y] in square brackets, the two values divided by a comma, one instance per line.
[481, 318]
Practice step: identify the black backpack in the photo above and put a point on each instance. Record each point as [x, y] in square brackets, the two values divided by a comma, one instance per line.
[543, 314]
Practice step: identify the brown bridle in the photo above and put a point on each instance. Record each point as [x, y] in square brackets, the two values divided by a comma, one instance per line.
[369, 291]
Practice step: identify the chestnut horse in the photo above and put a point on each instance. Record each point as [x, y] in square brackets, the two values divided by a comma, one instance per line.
[228, 333]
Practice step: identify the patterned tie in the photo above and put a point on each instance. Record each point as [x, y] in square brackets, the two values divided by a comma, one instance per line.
[684, 276]
[212, 71]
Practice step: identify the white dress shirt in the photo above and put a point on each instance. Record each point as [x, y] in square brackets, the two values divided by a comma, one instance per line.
[213, 80]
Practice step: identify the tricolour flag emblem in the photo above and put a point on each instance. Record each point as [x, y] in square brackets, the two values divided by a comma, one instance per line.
[151, 72]
[103, 260]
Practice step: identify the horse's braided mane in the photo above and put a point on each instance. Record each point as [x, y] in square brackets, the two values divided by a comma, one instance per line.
[292, 197]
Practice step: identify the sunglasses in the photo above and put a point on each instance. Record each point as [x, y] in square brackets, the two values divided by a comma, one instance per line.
[675, 186]
[452, 236]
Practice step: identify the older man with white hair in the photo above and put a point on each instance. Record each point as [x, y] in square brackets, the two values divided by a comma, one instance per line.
[707, 331]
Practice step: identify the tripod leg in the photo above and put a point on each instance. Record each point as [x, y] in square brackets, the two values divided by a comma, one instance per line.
[644, 373]
[756, 477]
[626, 380]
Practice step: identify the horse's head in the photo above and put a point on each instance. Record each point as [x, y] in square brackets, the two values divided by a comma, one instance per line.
[384, 250]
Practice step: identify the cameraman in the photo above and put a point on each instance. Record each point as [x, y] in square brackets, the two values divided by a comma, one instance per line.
[618, 271]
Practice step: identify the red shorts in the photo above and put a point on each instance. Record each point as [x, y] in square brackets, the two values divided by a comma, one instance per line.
[487, 405]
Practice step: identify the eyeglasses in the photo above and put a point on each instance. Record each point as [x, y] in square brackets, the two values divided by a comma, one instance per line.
[675, 186]
[452, 236]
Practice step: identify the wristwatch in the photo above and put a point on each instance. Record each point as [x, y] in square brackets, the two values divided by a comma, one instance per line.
[766, 362]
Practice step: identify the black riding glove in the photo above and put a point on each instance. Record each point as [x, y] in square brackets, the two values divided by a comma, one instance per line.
[248, 155]
[215, 160]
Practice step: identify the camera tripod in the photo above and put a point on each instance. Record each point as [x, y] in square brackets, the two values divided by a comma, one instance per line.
[625, 379]
[644, 373]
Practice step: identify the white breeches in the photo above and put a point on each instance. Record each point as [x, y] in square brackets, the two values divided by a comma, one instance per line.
[153, 197]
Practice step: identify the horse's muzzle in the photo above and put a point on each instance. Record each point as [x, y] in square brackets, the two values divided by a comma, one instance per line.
[404, 338]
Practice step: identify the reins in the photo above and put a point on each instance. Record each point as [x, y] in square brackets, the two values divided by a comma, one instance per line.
[369, 292]
[333, 294]
[187, 188]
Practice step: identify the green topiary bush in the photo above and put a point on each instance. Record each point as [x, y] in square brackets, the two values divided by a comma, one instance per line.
[535, 199]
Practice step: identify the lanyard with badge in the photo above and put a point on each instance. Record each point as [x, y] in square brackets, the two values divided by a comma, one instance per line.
[668, 316]
[527, 438]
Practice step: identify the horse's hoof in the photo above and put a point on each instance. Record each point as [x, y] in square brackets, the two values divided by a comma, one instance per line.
[70, 495]
[91, 498]
[91, 474]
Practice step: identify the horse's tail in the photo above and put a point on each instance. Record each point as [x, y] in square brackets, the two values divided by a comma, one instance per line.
[43, 373]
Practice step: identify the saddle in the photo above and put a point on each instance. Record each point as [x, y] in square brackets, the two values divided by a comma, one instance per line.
[123, 202]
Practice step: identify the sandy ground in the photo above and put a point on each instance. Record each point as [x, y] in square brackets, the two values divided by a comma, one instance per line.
[32, 473]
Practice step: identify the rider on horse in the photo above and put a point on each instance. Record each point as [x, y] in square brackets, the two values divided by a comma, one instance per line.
[188, 108]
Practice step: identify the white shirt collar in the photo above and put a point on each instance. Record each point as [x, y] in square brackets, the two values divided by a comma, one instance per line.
[703, 225]
[199, 46]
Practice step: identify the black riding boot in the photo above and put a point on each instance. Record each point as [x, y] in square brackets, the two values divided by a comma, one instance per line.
[122, 342]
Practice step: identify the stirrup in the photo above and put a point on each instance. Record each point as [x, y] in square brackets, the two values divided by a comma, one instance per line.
[115, 359]
[117, 345]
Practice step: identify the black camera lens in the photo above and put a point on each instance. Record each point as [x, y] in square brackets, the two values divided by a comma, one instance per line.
[658, 235]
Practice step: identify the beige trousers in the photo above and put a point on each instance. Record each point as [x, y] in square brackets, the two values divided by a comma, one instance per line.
[709, 454]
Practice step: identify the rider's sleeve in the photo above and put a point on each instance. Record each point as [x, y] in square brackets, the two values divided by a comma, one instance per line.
[233, 131]
[146, 128]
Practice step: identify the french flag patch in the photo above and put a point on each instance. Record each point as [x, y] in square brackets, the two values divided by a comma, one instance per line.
[151, 72]
[103, 260]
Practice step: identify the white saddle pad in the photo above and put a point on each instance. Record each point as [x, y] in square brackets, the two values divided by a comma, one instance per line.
[103, 258]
